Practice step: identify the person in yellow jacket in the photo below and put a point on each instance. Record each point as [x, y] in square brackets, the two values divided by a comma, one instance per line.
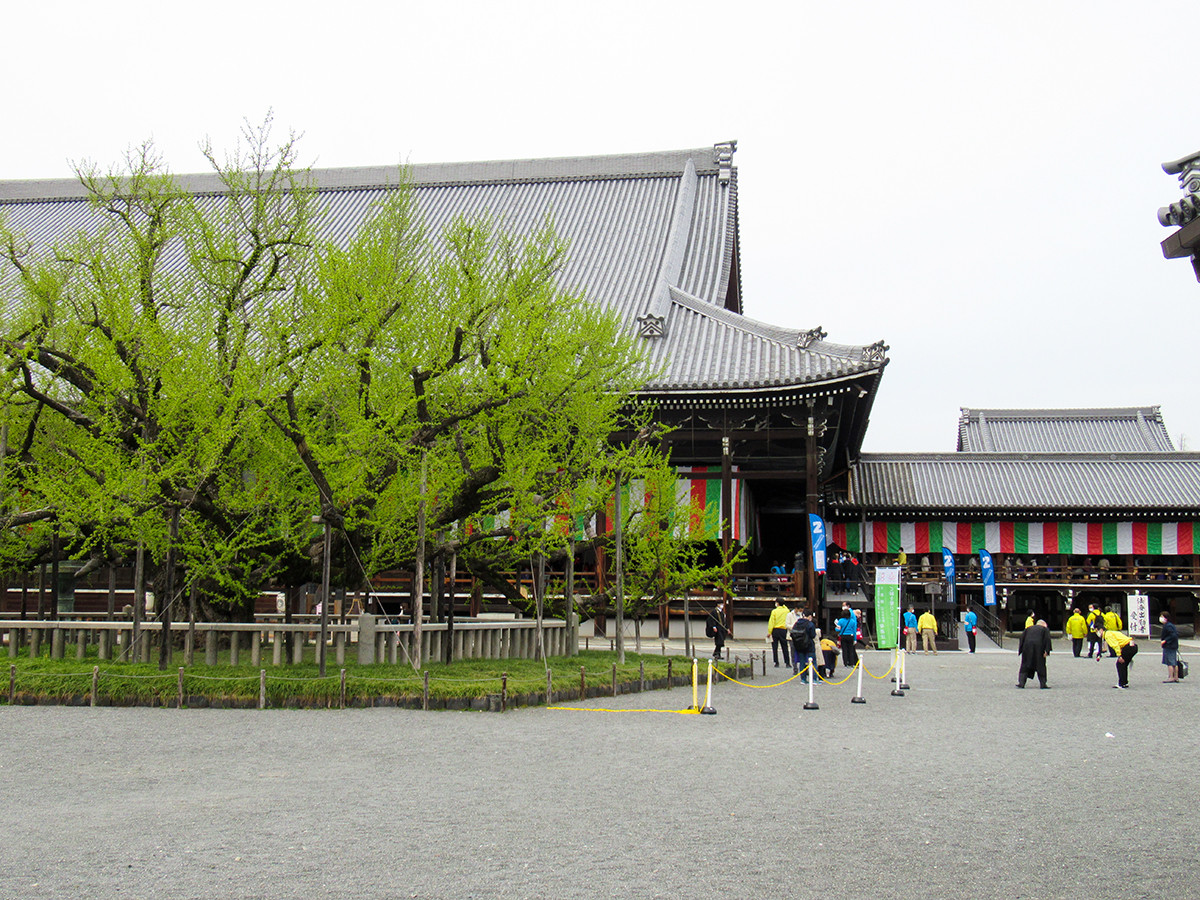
[1076, 629]
[1094, 643]
[777, 629]
[1125, 648]
[927, 625]
[1112, 619]
[829, 655]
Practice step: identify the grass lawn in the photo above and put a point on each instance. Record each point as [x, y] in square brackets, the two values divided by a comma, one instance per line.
[474, 683]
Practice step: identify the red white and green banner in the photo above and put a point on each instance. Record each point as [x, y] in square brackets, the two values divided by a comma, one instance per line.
[702, 494]
[1072, 538]
[705, 494]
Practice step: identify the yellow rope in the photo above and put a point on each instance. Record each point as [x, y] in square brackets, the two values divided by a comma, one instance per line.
[682, 712]
[758, 687]
[844, 680]
[884, 675]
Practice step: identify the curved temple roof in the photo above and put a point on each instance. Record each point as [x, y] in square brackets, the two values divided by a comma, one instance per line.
[652, 236]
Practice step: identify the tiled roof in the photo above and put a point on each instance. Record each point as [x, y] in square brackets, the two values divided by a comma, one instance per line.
[1125, 430]
[650, 234]
[1011, 482]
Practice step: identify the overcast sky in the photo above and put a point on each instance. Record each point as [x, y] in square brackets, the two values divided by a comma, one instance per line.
[974, 183]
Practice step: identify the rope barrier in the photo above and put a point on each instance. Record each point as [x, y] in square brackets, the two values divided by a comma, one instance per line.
[880, 677]
[844, 680]
[757, 687]
[680, 712]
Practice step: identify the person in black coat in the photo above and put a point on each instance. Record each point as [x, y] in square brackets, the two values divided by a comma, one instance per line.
[833, 573]
[1034, 648]
[717, 628]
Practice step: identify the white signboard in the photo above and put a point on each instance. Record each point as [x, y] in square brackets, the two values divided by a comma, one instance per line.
[1139, 615]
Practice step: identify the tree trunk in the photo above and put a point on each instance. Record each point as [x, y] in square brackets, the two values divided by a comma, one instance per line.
[327, 552]
[418, 594]
[619, 574]
[450, 609]
[569, 602]
[539, 599]
[164, 644]
[139, 598]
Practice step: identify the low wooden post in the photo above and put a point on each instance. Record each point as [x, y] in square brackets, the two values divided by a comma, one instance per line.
[549, 688]
[642, 676]
[342, 691]
[12, 685]
[503, 691]
[262, 688]
[669, 662]
[95, 683]
[582, 683]
[614, 679]
[180, 685]
[425, 693]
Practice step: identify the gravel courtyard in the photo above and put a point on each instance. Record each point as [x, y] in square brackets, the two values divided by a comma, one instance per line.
[965, 787]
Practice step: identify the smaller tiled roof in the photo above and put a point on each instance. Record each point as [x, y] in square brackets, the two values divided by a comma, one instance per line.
[1115, 430]
[1019, 482]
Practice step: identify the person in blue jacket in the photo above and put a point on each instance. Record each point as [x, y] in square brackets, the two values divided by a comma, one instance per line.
[910, 631]
[848, 634]
[969, 621]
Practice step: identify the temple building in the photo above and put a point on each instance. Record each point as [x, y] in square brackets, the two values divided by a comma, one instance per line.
[767, 422]
[1076, 506]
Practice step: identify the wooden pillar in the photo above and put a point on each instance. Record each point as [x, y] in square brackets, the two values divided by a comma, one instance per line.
[727, 519]
[812, 491]
[598, 623]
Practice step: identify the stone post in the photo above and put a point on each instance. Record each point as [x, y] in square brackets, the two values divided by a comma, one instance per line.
[366, 639]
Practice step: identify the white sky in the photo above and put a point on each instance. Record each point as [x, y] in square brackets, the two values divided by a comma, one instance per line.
[975, 183]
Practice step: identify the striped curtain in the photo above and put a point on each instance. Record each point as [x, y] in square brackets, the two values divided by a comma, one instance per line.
[1076, 538]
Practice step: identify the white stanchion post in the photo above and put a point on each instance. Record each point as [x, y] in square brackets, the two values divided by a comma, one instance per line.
[903, 685]
[896, 692]
[708, 709]
[695, 684]
[812, 679]
[859, 698]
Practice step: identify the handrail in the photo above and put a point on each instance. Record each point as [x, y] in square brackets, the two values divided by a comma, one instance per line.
[989, 622]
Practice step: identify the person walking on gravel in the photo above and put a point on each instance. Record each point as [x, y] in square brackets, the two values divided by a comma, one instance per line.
[1170, 647]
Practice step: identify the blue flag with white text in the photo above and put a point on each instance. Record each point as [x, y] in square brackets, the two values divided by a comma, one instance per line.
[989, 578]
[948, 569]
[817, 530]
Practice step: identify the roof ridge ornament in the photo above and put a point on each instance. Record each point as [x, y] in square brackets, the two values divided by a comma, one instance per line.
[810, 337]
[876, 352]
[1183, 211]
[723, 157]
[651, 326]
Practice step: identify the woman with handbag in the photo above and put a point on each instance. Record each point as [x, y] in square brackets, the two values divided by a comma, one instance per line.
[1170, 648]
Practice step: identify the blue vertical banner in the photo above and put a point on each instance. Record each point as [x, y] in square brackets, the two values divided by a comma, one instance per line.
[817, 531]
[948, 569]
[989, 578]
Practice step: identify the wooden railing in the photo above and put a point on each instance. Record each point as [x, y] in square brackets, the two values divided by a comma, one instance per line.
[390, 641]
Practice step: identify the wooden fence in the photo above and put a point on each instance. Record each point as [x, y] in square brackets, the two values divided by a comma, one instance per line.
[375, 640]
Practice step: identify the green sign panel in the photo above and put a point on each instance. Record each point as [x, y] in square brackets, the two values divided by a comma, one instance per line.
[887, 608]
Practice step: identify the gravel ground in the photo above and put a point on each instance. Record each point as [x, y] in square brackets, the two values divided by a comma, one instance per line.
[963, 787]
